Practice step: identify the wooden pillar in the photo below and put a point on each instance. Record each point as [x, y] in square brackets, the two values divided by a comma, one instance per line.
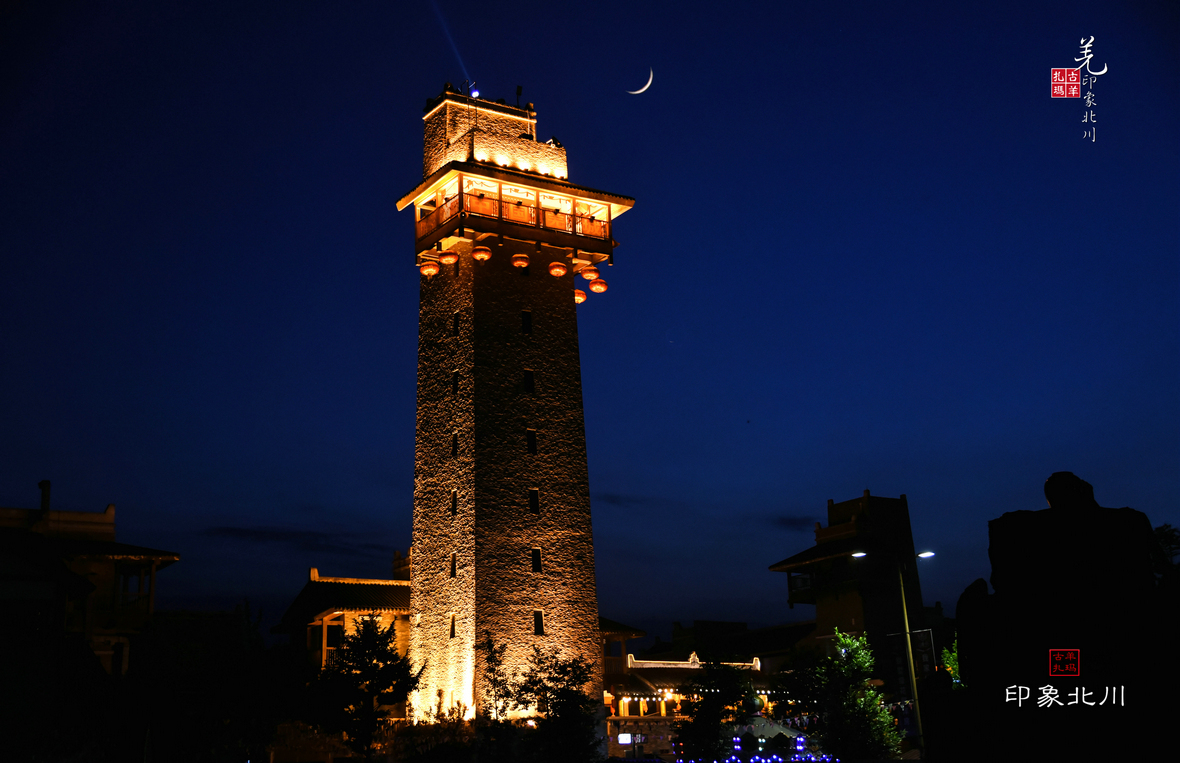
[152, 590]
[323, 642]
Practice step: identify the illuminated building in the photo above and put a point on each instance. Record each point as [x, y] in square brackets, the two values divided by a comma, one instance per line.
[327, 609]
[502, 539]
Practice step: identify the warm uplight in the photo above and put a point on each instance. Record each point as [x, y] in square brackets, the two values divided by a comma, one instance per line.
[481, 253]
[579, 296]
[501, 160]
[481, 156]
[523, 165]
[557, 269]
[589, 273]
[429, 268]
[926, 554]
[598, 286]
[859, 554]
[448, 257]
[520, 260]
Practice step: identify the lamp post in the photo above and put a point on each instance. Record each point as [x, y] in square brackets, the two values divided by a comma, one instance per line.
[909, 650]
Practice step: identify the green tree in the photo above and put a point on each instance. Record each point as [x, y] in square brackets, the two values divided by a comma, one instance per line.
[856, 725]
[950, 661]
[568, 730]
[364, 676]
[719, 698]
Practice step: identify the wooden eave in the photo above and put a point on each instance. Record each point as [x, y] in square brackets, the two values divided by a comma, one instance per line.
[446, 173]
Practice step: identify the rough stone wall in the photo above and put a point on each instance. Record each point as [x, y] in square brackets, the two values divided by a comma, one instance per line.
[494, 531]
[507, 591]
[521, 153]
[455, 132]
[435, 595]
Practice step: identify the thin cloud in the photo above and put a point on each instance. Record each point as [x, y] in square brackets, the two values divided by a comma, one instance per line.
[307, 541]
[795, 524]
[620, 499]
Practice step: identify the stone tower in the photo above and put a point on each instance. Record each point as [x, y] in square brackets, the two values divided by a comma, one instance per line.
[502, 540]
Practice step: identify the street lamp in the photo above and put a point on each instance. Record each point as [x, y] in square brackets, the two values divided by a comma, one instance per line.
[909, 650]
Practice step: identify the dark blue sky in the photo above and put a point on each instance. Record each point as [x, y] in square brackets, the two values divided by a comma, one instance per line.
[868, 251]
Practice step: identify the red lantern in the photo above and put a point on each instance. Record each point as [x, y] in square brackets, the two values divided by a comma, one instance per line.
[589, 272]
[448, 257]
[597, 286]
[481, 253]
[429, 268]
[579, 296]
[520, 260]
[557, 269]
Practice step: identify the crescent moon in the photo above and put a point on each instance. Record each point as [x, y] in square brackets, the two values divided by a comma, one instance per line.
[650, 75]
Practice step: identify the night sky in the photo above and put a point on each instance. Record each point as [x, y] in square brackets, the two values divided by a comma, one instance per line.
[868, 251]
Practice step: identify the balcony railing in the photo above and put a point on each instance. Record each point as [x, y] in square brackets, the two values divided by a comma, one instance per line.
[519, 213]
[435, 219]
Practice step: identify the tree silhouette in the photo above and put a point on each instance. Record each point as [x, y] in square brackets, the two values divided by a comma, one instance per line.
[718, 699]
[499, 683]
[557, 688]
[362, 679]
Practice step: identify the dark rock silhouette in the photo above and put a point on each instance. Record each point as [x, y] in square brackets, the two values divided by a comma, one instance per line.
[1073, 576]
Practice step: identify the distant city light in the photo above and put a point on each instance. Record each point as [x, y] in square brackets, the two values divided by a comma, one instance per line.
[859, 554]
[926, 554]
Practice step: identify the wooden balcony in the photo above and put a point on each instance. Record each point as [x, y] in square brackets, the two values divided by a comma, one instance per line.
[487, 214]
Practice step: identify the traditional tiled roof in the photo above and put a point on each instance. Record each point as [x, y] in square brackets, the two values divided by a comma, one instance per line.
[109, 549]
[614, 628]
[818, 553]
[319, 596]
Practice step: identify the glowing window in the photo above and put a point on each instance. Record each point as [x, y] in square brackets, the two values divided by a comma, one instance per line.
[514, 194]
[590, 209]
[480, 187]
[560, 204]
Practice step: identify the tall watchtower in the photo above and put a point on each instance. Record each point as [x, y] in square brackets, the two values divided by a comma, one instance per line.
[502, 541]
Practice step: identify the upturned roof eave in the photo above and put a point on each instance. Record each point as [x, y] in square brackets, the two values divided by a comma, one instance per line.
[618, 202]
